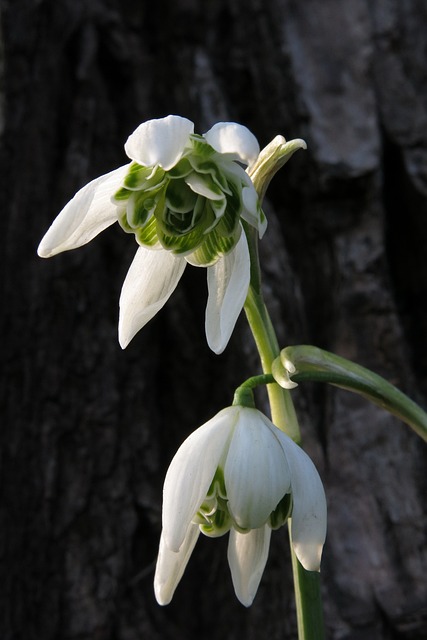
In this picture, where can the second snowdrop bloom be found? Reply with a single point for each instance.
(184, 197)
(239, 473)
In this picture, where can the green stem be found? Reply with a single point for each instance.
(282, 408)
(306, 583)
(256, 381)
(308, 601)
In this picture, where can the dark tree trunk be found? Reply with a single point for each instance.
(88, 430)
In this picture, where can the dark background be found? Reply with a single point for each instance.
(87, 430)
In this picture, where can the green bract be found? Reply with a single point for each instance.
(193, 209)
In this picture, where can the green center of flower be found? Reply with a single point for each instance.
(192, 210)
(215, 519)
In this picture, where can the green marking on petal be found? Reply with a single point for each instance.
(203, 185)
(180, 244)
(123, 221)
(214, 167)
(182, 233)
(217, 487)
(192, 210)
(121, 196)
(218, 525)
(140, 207)
(212, 249)
(228, 223)
(147, 235)
(179, 196)
(200, 147)
(228, 216)
(213, 515)
(137, 175)
(175, 223)
(218, 207)
(279, 516)
(181, 169)
(161, 207)
(143, 178)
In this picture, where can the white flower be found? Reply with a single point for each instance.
(183, 196)
(239, 473)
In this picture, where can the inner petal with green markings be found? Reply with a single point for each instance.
(193, 209)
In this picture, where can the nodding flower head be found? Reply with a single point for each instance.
(184, 197)
(238, 473)
(191, 200)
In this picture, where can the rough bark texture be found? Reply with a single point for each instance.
(88, 430)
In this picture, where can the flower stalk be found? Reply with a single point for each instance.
(306, 583)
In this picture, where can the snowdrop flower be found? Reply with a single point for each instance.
(239, 473)
(183, 196)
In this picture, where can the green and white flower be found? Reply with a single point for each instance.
(239, 473)
(184, 197)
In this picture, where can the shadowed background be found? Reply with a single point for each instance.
(87, 430)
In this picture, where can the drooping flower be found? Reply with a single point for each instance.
(239, 473)
(184, 197)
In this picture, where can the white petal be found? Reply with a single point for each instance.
(309, 512)
(171, 566)
(247, 557)
(87, 214)
(251, 210)
(228, 283)
(160, 141)
(235, 140)
(256, 471)
(151, 279)
(191, 472)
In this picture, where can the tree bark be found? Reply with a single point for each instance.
(89, 430)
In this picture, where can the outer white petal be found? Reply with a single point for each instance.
(256, 471)
(160, 141)
(191, 472)
(247, 557)
(309, 512)
(233, 139)
(171, 566)
(228, 283)
(87, 214)
(151, 279)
